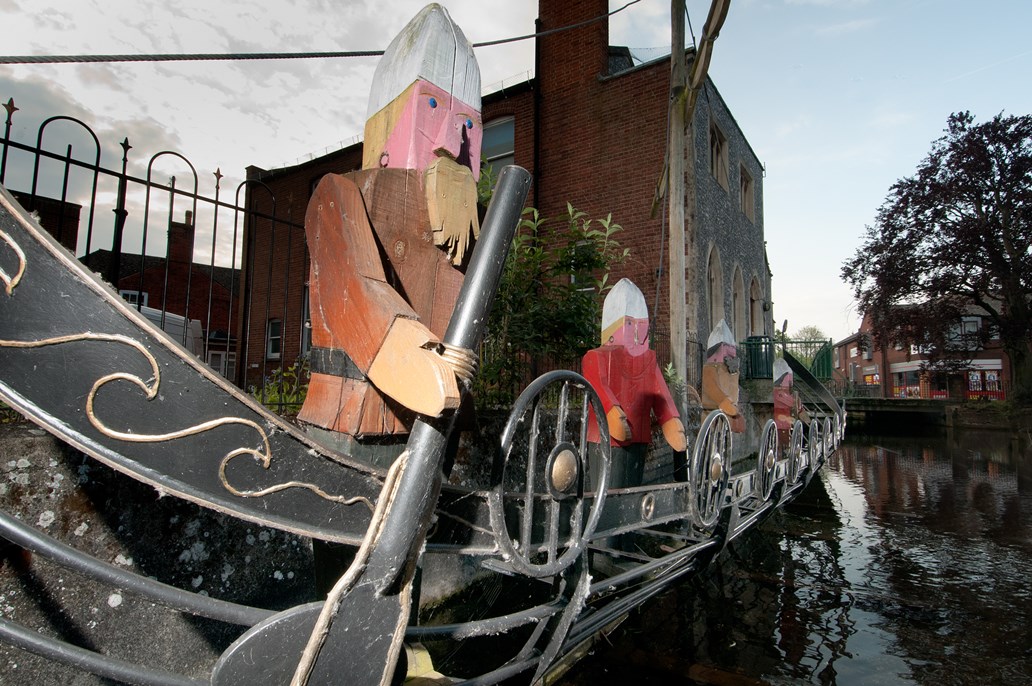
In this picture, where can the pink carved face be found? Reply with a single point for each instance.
(434, 124)
(722, 353)
(633, 334)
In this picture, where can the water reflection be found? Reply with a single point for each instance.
(908, 562)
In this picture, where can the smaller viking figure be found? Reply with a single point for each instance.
(784, 400)
(388, 242)
(627, 378)
(787, 406)
(720, 376)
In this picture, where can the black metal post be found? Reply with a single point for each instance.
(393, 561)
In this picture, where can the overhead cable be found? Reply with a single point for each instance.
(195, 57)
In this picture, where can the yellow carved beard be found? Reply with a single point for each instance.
(451, 199)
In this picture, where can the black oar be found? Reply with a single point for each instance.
(355, 636)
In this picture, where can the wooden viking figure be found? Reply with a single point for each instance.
(787, 406)
(388, 242)
(784, 399)
(720, 376)
(627, 378)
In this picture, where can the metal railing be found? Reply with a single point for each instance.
(757, 354)
(166, 240)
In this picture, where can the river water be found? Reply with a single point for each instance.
(908, 561)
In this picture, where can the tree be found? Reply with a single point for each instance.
(808, 344)
(810, 332)
(956, 239)
(549, 302)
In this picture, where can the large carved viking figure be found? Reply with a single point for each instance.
(627, 378)
(387, 243)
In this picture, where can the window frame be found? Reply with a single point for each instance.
(132, 296)
(278, 338)
(747, 189)
(718, 152)
(498, 122)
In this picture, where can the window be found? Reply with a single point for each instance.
(718, 155)
(741, 321)
(223, 362)
(965, 334)
(582, 257)
(755, 308)
(273, 339)
(748, 201)
(499, 144)
(134, 297)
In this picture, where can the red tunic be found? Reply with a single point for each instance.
(632, 382)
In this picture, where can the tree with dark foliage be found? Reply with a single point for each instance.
(955, 240)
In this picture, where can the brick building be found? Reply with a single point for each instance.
(976, 370)
(591, 128)
(182, 289)
(59, 218)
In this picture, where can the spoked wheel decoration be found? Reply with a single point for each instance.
(767, 461)
(795, 452)
(710, 468)
(829, 437)
(815, 443)
(539, 509)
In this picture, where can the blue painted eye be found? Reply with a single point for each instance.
(469, 123)
(433, 103)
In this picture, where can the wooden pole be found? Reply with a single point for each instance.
(676, 195)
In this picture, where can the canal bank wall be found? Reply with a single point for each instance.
(46, 484)
(930, 417)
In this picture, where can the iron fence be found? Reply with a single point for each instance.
(504, 373)
(757, 354)
(146, 226)
(227, 279)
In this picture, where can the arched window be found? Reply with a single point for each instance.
(755, 308)
(738, 306)
(715, 290)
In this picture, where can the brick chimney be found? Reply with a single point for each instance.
(576, 58)
(181, 240)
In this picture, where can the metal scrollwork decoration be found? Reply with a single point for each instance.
(10, 281)
(710, 469)
(539, 504)
(150, 388)
(767, 461)
(815, 443)
(829, 437)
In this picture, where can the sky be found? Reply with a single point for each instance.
(838, 98)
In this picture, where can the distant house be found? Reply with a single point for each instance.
(61, 219)
(181, 289)
(591, 127)
(975, 367)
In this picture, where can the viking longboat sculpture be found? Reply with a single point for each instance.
(137, 401)
(538, 519)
